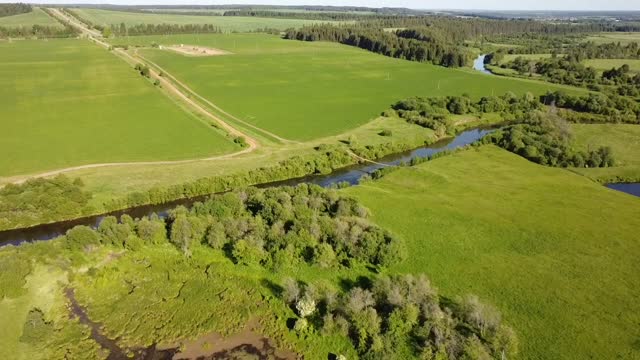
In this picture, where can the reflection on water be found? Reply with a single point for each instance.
(478, 64)
(350, 174)
(629, 188)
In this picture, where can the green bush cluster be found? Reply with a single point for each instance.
(274, 227)
(544, 138)
(609, 108)
(42, 200)
(401, 317)
(570, 71)
(435, 112)
(14, 268)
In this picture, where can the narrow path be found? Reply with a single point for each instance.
(214, 106)
(253, 144)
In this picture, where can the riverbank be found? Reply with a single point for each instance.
(349, 174)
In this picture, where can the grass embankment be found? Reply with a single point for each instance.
(307, 90)
(556, 252)
(35, 17)
(225, 23)
(624, 139)
(608, 64)
(80, 104)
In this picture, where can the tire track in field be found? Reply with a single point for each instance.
(217, 108)
(253, 144)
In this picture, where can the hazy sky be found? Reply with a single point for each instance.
(417, 4)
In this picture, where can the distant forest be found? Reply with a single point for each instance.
(14, 9)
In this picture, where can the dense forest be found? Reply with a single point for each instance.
(277, 8)
(415, 46)
(477, 28)
(14, 9)
(403, 317)
(307, 15)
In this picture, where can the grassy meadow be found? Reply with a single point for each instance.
(608, 64)
(69, 102)
(554, 251)
(621, 37)
(306, 90)
(511, 57)
(226, 23)
(624, 139)
(36, 17)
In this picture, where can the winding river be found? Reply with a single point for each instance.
(350, 174)
(478, 64)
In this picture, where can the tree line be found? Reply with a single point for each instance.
(569, 71)
(397, 45)
(401, 317)
(478, 28)
(38, 31)
(14, 9)
(278, 228)
(163, 29)
(307, 15)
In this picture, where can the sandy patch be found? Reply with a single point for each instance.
(192, 50)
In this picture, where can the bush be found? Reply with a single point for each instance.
(80, 237)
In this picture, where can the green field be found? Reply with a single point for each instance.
(608, 64)
(621, 37)
(36, 17)
(69, 102)
(511, 57)
(624, 139)
(306, 90)
(226, 23)
(555, 252)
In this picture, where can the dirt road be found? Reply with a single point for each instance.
(168, 86)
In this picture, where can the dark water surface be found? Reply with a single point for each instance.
(629, 188)
(350, 174)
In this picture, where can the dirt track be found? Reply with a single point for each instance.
(209, 103)
(167, 85)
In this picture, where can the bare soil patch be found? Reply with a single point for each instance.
(247, 344)
(192, 50)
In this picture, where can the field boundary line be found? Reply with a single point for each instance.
(214, 106)
(253, 144)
